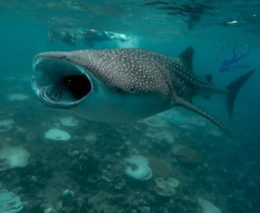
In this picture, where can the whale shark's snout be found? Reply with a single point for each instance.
(59, 83)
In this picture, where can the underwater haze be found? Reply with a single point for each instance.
(57, 161)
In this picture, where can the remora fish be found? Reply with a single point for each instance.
(121, 85)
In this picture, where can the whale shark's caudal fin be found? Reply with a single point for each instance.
(233, 89)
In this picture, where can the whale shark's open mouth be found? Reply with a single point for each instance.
(59, 83)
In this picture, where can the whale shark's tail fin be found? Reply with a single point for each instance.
(233, 89)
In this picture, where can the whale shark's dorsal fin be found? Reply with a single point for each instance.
(186, 56)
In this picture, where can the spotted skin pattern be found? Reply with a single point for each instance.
(139, 71)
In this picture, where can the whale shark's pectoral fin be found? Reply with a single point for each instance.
(181, 102)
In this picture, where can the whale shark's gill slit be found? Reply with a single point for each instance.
(68, 88)
(55, 95)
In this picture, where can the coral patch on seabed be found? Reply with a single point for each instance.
(68, 121)
(9, 202)
(53, 162)
(186, 154)
(6, 124)
(207, 206)
(137, 167)
(12, 157)
(57, 135)
(166, 187)
(17, 97)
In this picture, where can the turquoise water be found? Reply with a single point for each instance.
(86, 173)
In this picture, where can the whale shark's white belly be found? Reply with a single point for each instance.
(111, 106)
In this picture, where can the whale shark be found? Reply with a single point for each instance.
(123, 85)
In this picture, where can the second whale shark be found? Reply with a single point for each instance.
(122, 85)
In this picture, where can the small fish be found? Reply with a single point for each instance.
(122, 85)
